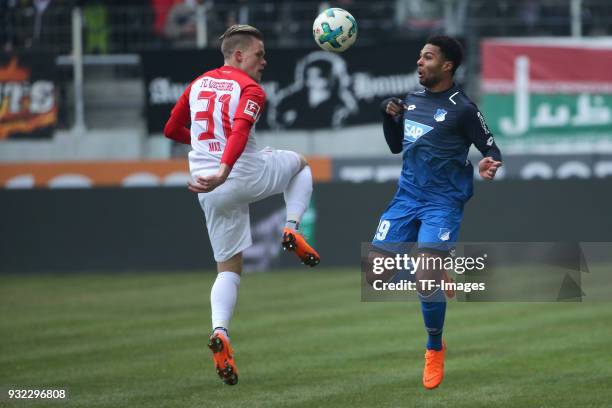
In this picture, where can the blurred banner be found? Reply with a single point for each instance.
(171, 173)
(522, 166)
(28, 97)
(544, 95)
(306, 89)
(151, 173)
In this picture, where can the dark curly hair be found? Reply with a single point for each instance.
(451, 49)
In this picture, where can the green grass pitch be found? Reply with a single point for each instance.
(302, 339)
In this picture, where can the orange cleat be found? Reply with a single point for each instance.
(223, 357)
(433, 373)
(294, 241)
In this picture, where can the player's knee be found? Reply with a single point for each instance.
(372, 274)
(303, 162)
(370, 278)
(367, 267)
(429, 274)
(233, 264)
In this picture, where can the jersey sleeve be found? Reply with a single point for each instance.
(251, 103)
(236, 142)
(476, 131)
(392, 127)
(176, 126)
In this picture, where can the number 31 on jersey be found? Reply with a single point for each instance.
(209, 100)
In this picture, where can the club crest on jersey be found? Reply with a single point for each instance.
(252, 108)
(413, 130)
(440, 115)
(444, 234)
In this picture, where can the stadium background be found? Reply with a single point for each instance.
(89, 184)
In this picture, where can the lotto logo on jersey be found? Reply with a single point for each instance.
(252, 108)
(414, 130)
(485, 128)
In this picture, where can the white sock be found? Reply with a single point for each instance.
(297, 196)
(223, 297)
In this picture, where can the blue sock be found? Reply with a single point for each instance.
(434, 310)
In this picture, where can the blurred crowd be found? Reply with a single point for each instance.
(112, 26)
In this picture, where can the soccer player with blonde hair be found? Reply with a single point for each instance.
(216, 115)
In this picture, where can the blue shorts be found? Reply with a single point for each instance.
(406, 220)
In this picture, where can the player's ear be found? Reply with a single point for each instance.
(447, 66)
(238, 55)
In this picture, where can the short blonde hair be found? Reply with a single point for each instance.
(238, 36)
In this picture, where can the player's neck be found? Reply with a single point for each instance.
(442, 86)
(231, 64)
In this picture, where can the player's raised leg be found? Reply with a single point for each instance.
(297, 197)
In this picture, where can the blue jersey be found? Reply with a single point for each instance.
(434, 135)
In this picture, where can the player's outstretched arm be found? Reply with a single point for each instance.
(477, 131)
(392, 109)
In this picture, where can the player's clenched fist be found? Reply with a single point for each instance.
(488, 167)
(203, 184)
(206, 184)
(395, 107)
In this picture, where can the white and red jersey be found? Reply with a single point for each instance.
(212, 103)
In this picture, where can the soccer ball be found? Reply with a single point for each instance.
(335, 30)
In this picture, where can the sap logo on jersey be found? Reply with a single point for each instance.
(414, 130)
